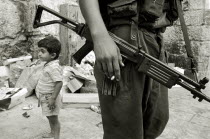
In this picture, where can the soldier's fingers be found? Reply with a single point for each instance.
(99, 65)
(110, 69)
(52, 107)
(116, 67)
(105, 69)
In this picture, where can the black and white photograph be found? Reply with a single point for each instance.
(104, 69)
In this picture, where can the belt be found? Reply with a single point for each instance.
(128, 21)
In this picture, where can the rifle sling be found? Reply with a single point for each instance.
(184, 31)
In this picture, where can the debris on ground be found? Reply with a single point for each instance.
(75, 80)
(99, 124)
(96, 109)
(10, 97)
(26, 115)
(28, 107)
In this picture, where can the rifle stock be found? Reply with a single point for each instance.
(86, 48)
(147, 64)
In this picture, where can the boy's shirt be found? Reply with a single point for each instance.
(52, 72)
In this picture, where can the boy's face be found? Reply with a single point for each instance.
(44, 55)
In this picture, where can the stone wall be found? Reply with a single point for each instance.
(197, 15)
(17, 36)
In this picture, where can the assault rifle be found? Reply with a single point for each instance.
(147, 64)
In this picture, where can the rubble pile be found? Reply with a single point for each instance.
(87, 64)
(76, 82)
(23, 74)
(10, 95)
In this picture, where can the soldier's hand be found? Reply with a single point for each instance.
(108, 57)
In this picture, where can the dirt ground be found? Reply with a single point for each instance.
(189, 119)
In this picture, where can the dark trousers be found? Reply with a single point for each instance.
(140, 108)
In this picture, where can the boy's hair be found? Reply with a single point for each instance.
(52, 45)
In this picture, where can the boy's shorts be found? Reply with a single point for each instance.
(43, 98)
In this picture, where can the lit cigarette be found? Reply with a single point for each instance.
(113, 77)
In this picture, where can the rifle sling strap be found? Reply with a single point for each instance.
(184, 30)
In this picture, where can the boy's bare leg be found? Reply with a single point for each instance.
(55, 126)
(51, 134)
(52, 130)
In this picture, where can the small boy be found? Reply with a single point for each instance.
(50, 83)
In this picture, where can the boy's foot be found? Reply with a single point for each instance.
(48, 135)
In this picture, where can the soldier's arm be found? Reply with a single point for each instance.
(108, 57)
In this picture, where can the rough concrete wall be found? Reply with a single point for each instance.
(197, 20)
(17, 36)
(12, 28)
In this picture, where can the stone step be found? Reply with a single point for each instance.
(80, 100)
